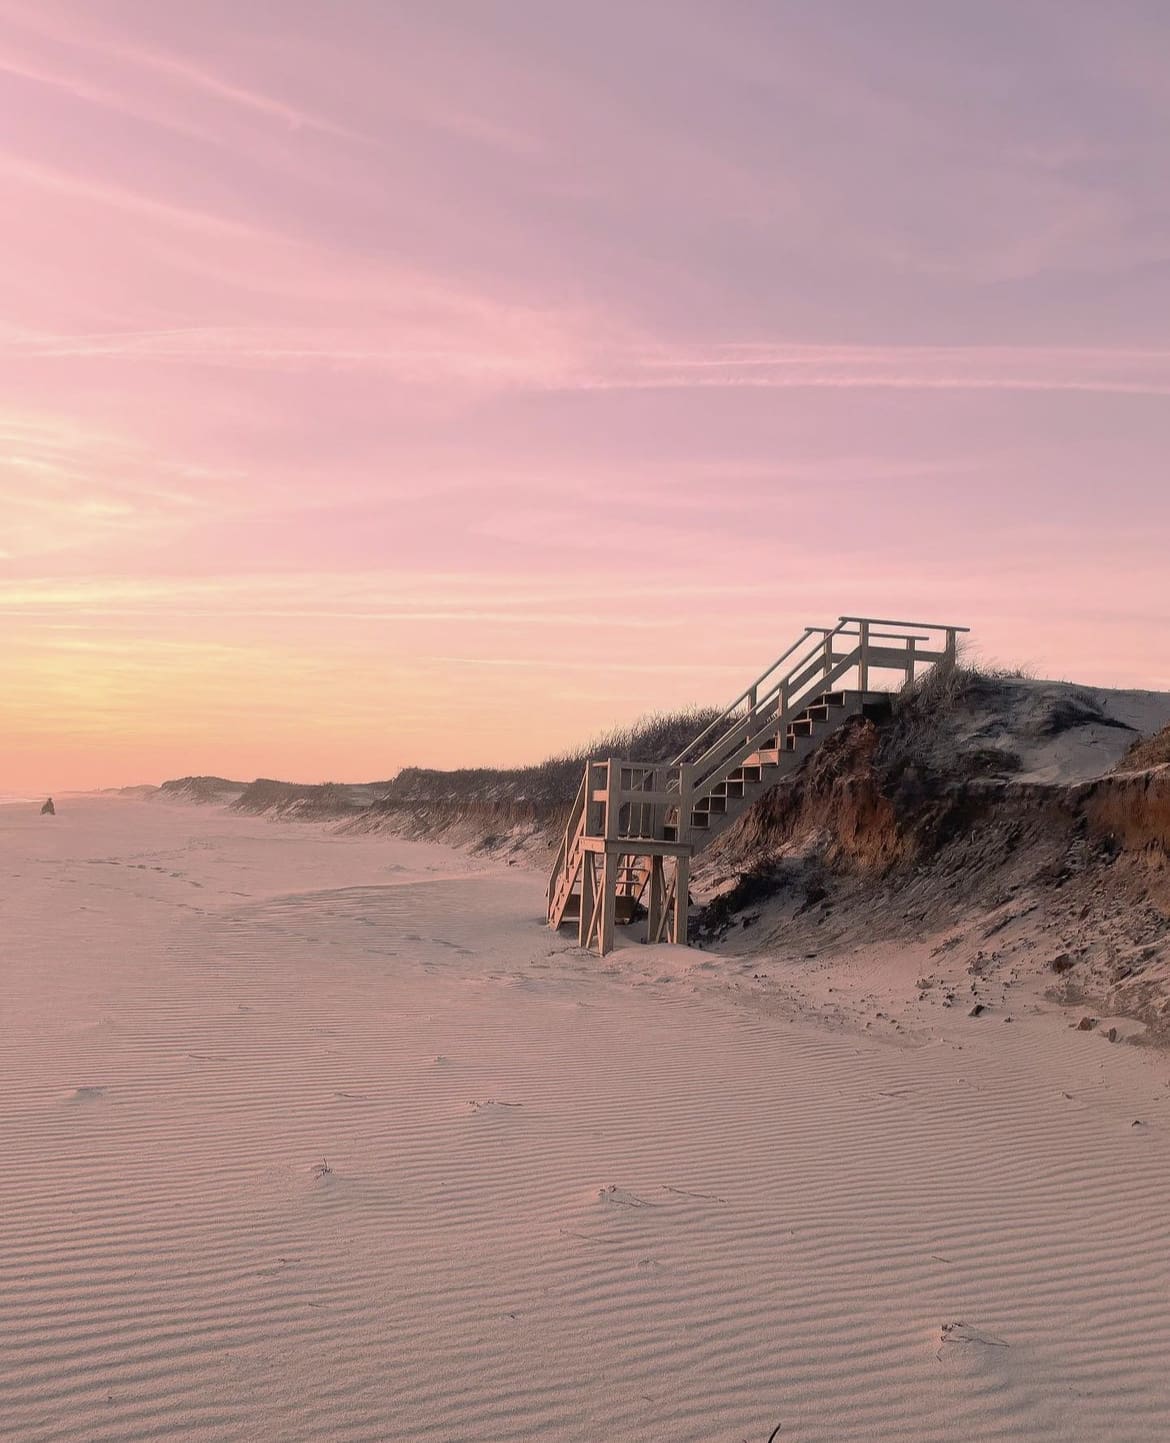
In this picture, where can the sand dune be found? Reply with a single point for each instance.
(311, 1137)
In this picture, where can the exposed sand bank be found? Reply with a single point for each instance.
(658, 1199)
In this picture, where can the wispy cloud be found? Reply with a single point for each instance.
(444, 340)
(774, 366)
(78, 35)
(79, 87)
(66, 485)
(96, 192)
(503, 347)
(463, 595)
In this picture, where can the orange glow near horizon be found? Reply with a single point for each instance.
(497, 382)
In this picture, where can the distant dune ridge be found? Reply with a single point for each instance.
(201, 789)
(538, 793)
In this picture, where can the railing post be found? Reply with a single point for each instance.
(863, 661)
(951, 650)
(685, 787)
(613, 791)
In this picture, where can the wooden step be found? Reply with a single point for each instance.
(624, 912)
(810, 721)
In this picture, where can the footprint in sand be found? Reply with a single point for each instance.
(87, 1094)
(622, 1197)
(952, 1337)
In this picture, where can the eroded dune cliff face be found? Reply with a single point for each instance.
(858, 810)
(1133, 810)
(914, 828)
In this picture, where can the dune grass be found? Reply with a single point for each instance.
(1147, 752)
(658, 736)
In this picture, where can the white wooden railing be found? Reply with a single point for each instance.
(847, 656)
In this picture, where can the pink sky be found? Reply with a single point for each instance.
(387, 383)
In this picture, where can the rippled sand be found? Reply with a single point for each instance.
(308, 1137)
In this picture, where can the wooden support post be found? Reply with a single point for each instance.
(682, 897)
(608, 903)
(588, 891)
(656, 902)
(667, 911)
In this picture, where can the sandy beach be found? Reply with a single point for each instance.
(309, 1136)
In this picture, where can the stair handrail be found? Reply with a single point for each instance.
(809, 688)
(749, 695)
(572, 828)
(820, 650)
(815, 672)
(906, 625)
(811, 662)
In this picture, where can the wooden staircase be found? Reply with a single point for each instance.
(772, 759)
(634, 827)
